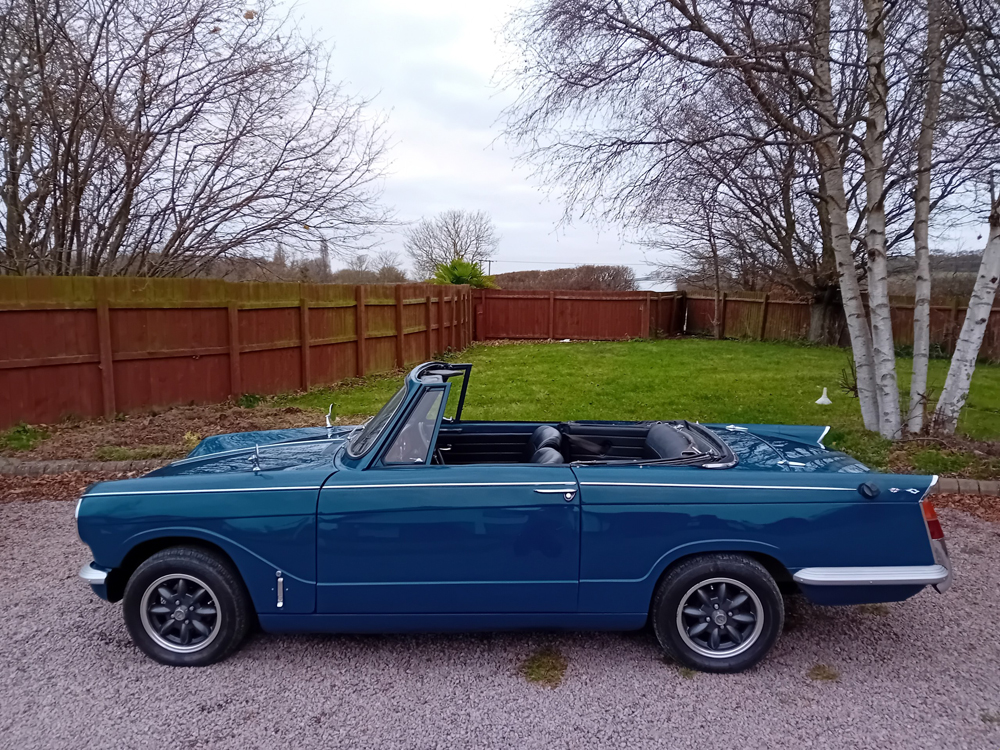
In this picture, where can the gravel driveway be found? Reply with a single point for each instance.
(921, 674)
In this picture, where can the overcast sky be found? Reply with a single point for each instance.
(431, 66)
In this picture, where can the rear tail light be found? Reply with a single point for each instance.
(931, 519)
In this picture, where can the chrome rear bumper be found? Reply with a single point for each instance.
(904, 575)
(940, 550)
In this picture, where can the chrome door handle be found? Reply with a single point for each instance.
(568, 494)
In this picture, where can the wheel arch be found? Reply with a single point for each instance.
(777, 569)
(118, 578)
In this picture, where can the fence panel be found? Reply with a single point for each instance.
(97, 346)
(700, 316)
(581, 315)
(786, 321)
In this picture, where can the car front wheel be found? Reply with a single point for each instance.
(186, 607)
(718, 613)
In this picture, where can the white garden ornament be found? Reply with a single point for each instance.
(824, 400)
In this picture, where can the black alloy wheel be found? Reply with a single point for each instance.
(187, 607)
(718, 612)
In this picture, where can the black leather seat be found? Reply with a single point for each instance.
(544, 436)
(547, 456)
(664, 441)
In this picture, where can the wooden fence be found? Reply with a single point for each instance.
(96, 347)
(590, 316)
(99, 346)
(757, 316)
(602, 316)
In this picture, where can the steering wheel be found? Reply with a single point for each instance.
(412, 438)
(426, 430)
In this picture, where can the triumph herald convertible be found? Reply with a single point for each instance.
(421, 521)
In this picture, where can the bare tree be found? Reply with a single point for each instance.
(153, 140)
(933, 66)
(586, 277)
(767, 231)
(451, 235)
(877, 90)
(976, 95)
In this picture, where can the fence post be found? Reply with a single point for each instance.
(428, 347)
(484, 331)
(722, 313)
(107, 364)
(361, 329)
(453, 316)
(763, 318)
(439, 336)
(645, 318)
(680, 313)
(235, 374)
(400, 344)
(552, 315)
(464, 308)
(304, 336)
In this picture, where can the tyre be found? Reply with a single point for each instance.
(718, 613)
(186, 607)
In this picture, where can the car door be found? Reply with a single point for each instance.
(501, 538)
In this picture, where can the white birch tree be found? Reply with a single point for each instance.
(883, 350)
(977, 99)
(934, 65)
(963, 362)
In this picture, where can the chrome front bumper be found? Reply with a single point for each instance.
(92, 575)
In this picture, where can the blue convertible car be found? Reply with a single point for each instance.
(420, 521)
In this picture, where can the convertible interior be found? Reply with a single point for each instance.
(566, 442)
(458, 442)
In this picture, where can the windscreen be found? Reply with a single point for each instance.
(367, 437)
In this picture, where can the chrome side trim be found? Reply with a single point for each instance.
(718, 486)
(200, 491)
(334, 487)
(92, 575)
(901, 575)
(447, 484)
(820, 441)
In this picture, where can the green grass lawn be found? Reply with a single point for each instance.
(696, 379)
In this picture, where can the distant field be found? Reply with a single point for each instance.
(696, 379)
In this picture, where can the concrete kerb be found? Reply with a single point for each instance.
(39, 468)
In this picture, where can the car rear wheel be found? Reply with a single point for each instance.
(718, 613)
(186, 607)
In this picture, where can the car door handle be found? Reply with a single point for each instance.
(568, 494)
